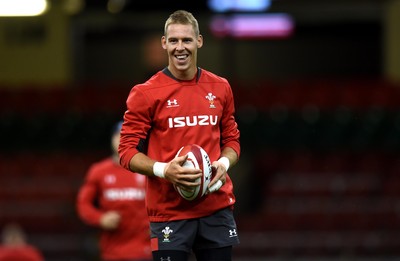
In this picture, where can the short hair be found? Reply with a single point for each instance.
(182, 17)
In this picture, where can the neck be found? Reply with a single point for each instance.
(185, 75)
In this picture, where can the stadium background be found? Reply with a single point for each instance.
(318, 110)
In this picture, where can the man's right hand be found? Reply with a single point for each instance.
(183, 177)
(110, 220)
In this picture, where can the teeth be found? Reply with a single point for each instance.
(181, 56)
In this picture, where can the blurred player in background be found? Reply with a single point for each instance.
(180, 105)
(15, 246)
(113, 199)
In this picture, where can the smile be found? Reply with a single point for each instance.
(182, 56)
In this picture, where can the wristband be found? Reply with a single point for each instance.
(159, 168)
(225, 161)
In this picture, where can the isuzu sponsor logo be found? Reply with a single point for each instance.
(124, 194)
(199, 120)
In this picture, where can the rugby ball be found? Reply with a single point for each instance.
(197, 159)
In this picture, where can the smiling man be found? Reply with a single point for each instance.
(180, 105)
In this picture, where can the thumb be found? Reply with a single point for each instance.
(181, 159)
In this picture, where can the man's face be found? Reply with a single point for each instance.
(181, 44)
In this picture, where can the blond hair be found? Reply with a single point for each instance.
(182, 17)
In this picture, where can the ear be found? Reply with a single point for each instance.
(164, 42)
(199, 41)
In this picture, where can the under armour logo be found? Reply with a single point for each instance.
(172, 103)
(232, 233)
(165, 258)
(109, 179)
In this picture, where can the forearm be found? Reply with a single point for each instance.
(142, 164)
(231, 155)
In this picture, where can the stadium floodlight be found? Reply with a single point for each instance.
(221, 6)
(249, 26)
(23, 7)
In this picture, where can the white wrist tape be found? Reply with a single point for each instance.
(215, 187)
(225, 161)
(159, 168)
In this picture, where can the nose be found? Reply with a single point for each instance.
(180, 46)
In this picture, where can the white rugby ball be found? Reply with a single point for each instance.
(197, 159)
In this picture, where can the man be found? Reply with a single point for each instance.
(15, 245)
(180, 105)
(112, 199)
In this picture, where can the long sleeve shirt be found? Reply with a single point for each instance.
(107, 187)
(164, 114)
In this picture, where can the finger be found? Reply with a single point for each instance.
(181, 159)
(191, 172)
(215, 187)
(188, 184)
(190, 177)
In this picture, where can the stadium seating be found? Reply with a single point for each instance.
(325, 164)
